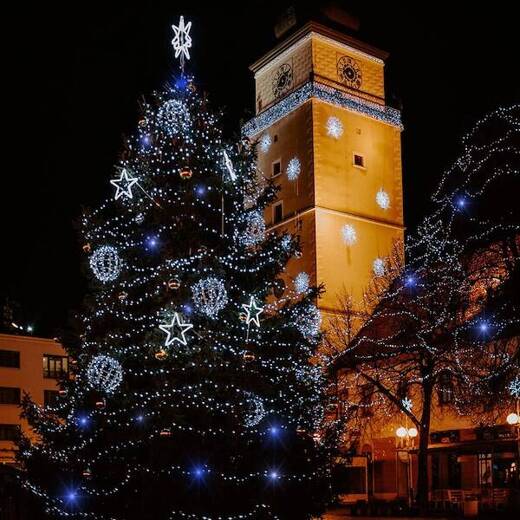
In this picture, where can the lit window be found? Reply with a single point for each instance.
(358, 160)
(55, 367)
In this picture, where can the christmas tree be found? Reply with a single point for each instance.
(192, 394)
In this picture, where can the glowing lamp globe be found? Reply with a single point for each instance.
(513, 418)
(401, 432)
(412, 432)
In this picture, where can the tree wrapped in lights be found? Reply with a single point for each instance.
(443, 327)
(192, 394)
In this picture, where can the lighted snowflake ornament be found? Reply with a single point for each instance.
(173, 117)
(294, 169)
(169, 329)
(334, 127)
(349, 234)
(106, 264)
(104, 373)
(265, 143)
(383, 199)
(407, 404)
(182, 40)
(301, 283)
(379, 267)
(514, 387)
(124, 184)
(210, 296)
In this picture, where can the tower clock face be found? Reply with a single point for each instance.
(282, 80)
(349, 72)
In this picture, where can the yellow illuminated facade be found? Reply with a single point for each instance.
(334, 147)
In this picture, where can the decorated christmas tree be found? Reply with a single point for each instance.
(195, 391)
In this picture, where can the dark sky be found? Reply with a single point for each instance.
(75, 72)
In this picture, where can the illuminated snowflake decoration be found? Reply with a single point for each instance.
(254, 232)
(182, 40)
(514, 387)
(293, 169)
(265, 143)
(349, 234)
(286, 242)
(407, 404)
(255, 410)
(334, 127)
(379, 267)
(383, 199)
(173, 117)
(301, 283)
(210, 296)
(104, 373)
(308, 321)
(106, 264)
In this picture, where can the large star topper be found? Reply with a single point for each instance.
(253, 312)
(124, 184)
(182, 40)
(169, 329)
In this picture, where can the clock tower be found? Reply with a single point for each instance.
(332, 144)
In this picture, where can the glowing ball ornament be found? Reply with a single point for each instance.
(513, 419)
(255, 410)
(104, 373)
(210, 296)
(383, 199)
(294, 169)
(254, 232)
(106, 264)
(349, 234)
(307, 321)
(173, 117)
(334, 127)
(301, 283)
(379, 267)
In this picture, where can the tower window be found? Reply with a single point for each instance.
(276, 168)
(358, 160)
(275, 138)
(278, 212)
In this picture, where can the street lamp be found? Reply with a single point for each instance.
(513, 418)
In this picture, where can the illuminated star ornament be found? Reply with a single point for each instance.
(229, 166)
(124, 184)
(182, 40)
(169, 329)
(253, 312)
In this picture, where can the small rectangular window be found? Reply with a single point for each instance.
(275, 138)
(50, 397)
(9, 395)
(276, 168)
(358, 160)
(278, 212)
(445, 388)
(9, 432)
(55, 367)
(10, 358)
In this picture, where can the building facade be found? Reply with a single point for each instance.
(27, 365)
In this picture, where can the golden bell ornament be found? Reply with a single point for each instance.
(248, 356)
(186, 173)
(87, 247)
(161, 355)
(174, 284)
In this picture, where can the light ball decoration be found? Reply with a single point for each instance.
(255, 410)
(254, 232)
(513, 419)
(307, 321)
(210, 296)
(379, 267)
(106, 264)
(104, 373)
(383, 199)
(265, 142)
(334, 127)
(294, 169)
(349, 234)
(173, 117)
(301, 282)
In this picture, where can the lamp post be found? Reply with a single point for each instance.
(406, 442)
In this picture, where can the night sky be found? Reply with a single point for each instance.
(75, 73)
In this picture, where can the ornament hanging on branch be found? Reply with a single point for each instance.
(124, 184)
(169, 329)
(307, 321)
(104, 373)
(253, 312)
(254, 232)
(255, 410)
(210, 296)
(186, 173)
(301, 283)
(173, 117)
(106, 263)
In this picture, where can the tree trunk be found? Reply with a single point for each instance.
(422, 455)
